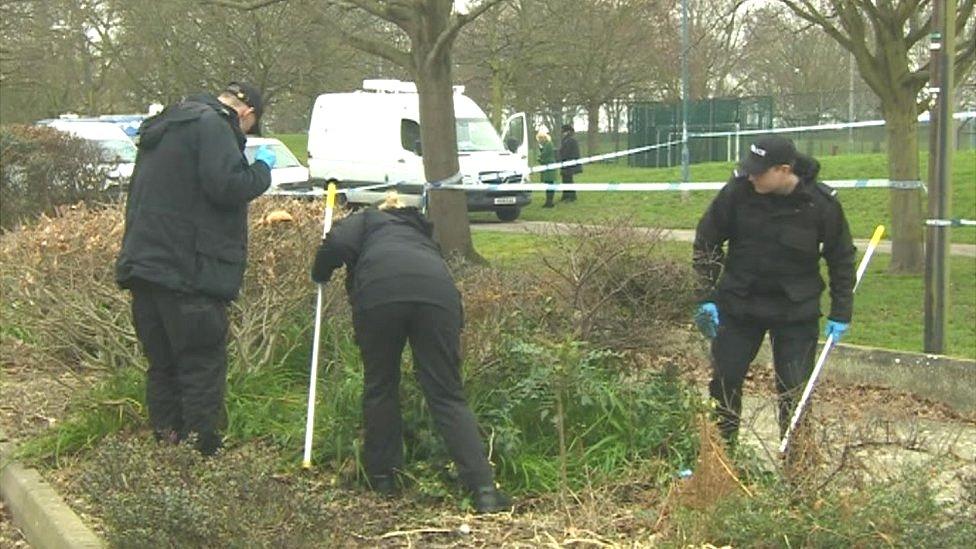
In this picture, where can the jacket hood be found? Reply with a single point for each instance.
(412, 217)
(807, 167)
(189, 109)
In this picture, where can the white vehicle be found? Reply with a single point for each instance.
(372, 136)
(118, 153)
(288, 176)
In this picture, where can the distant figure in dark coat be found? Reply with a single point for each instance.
(569, 150)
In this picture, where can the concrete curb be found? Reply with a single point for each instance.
(41, 514)
(965, 366)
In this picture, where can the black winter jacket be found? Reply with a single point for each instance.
(186, 214)
(390, 257)
(569, 150)
(775, 243)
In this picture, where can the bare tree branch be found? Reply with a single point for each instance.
(447, 37)
(375, 47)
(243, 6)
(808, 12)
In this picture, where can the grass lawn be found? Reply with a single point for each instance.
(888, 310)
(865, 208)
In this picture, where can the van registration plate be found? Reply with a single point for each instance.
(505, 200)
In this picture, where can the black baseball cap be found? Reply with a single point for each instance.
(767, 152)
(250, 96)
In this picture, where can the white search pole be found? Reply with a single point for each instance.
(828, 345)
(310, 419)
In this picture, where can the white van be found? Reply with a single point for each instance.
(116, 151)
(372, 136)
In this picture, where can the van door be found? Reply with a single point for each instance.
(516, 136)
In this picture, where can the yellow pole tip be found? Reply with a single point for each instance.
(306, 464)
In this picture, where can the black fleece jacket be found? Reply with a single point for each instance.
(775, 243)
(390, 257)
(186, 213)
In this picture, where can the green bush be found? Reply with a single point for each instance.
(42, 169)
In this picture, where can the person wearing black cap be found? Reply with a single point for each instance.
(401, 290)
(184, 251)
(778, 221)
(569, 150)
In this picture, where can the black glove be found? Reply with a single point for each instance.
(325, 264)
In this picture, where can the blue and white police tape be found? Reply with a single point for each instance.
(955, 222)
(575, 162)
(666, 186)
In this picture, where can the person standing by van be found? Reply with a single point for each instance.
(401, 290)
(547, 155)
(184, 251)
(569, 150)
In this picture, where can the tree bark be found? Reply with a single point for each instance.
(592, 128)
(901, 127)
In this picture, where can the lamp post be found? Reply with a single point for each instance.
(685, 157)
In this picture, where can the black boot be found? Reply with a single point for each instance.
(549, 196)
(489, 499)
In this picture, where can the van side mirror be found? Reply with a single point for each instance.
(512, 144)
(416, 148)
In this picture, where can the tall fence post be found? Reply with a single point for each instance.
(942, 47)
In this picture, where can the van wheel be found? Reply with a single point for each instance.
(508, 214)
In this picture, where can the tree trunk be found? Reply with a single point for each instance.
(497, 98)
(447, 209)
(592, 128)
(901, 126)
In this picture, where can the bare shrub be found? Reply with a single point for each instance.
(59, 293)
(42, 169)
(613, 286)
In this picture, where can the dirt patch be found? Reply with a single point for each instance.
(10, 536)
(35, 396)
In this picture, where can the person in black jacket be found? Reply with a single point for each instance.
(184, 251)
(401, 290)
(778, 221)
(569, 150)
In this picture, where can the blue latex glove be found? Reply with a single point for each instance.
(836, 329)
(706, 318)
(266, 155)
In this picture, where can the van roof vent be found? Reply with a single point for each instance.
(395, 86)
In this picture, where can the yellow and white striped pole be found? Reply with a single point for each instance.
(310, 419)
(872, 245)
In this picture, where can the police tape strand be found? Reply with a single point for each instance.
(955, 222)
(669, 186)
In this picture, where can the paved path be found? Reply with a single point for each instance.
(680, 235)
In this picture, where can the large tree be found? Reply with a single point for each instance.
(424, 35)
(883, 36)
(811, 78)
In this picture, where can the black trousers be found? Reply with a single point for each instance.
(434, 335)
(568, 195)
(733, 350)
(184, 336)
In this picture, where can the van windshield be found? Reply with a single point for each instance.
(117, 150)
(283, 155)
(477, 134)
